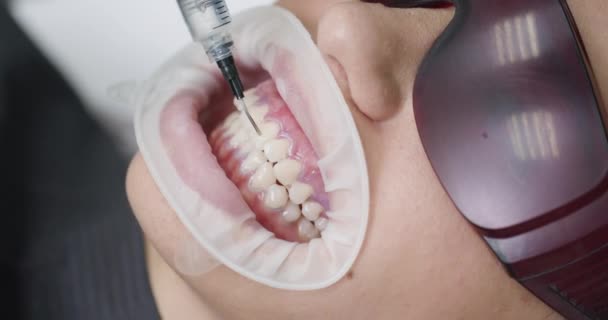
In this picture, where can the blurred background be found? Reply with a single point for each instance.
(98, 43)
(70, 248)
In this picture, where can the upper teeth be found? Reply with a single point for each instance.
(275, 197)
(253, 161)
(238, 139)
(273, 172)
(299, 192)
(231, 119)
(276, 150)
(258, 113)
(270, 130)
(262, 179)
(287, 171)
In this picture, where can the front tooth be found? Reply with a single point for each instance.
(306, 230)
(270, 130)
(275, 197)
(253, 161)
(299, 192)
(292, 213)
(262, 179)
(276, 150)
(321, 223)
(311, 210)
(287, 171)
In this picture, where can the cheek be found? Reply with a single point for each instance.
(416, 237)
(153, 213)
(309, 12)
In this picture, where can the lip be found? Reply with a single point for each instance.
(187, 141)
(188, 91)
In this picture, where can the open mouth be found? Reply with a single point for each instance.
(288, 208)
(276, 172)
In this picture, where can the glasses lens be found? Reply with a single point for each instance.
(507, 115)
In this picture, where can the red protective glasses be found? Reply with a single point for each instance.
(507, 112)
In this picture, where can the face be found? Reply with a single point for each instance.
(420, 259)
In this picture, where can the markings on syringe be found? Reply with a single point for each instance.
(203, 5)
(221, 25)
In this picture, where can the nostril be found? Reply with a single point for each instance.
(365, 57)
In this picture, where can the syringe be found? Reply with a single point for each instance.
(209, 21)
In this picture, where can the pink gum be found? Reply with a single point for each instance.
(301, 150)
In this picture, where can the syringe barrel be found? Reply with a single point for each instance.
(209, 23)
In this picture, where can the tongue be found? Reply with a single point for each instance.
(275, 172)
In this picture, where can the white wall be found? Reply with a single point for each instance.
(97, 43)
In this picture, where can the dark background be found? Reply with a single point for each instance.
(69, 246)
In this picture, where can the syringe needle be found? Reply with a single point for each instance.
(208, 22)
(243, 108)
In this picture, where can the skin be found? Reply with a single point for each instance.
(421, 259)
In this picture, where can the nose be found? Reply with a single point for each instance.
(378, 50)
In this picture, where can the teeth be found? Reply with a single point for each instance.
(270, 130)
(230, 119)
(275, 197)
(306, 230)
(287, 171)
(262, 179)
(247, 127)
(239, 138)
(247, 147)
(321, 223)
(253, 161)
(258, 113)
(311, 210)
(235, 126)
(250, 99)
(292, 212)
(276, 150)
(299, 192)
